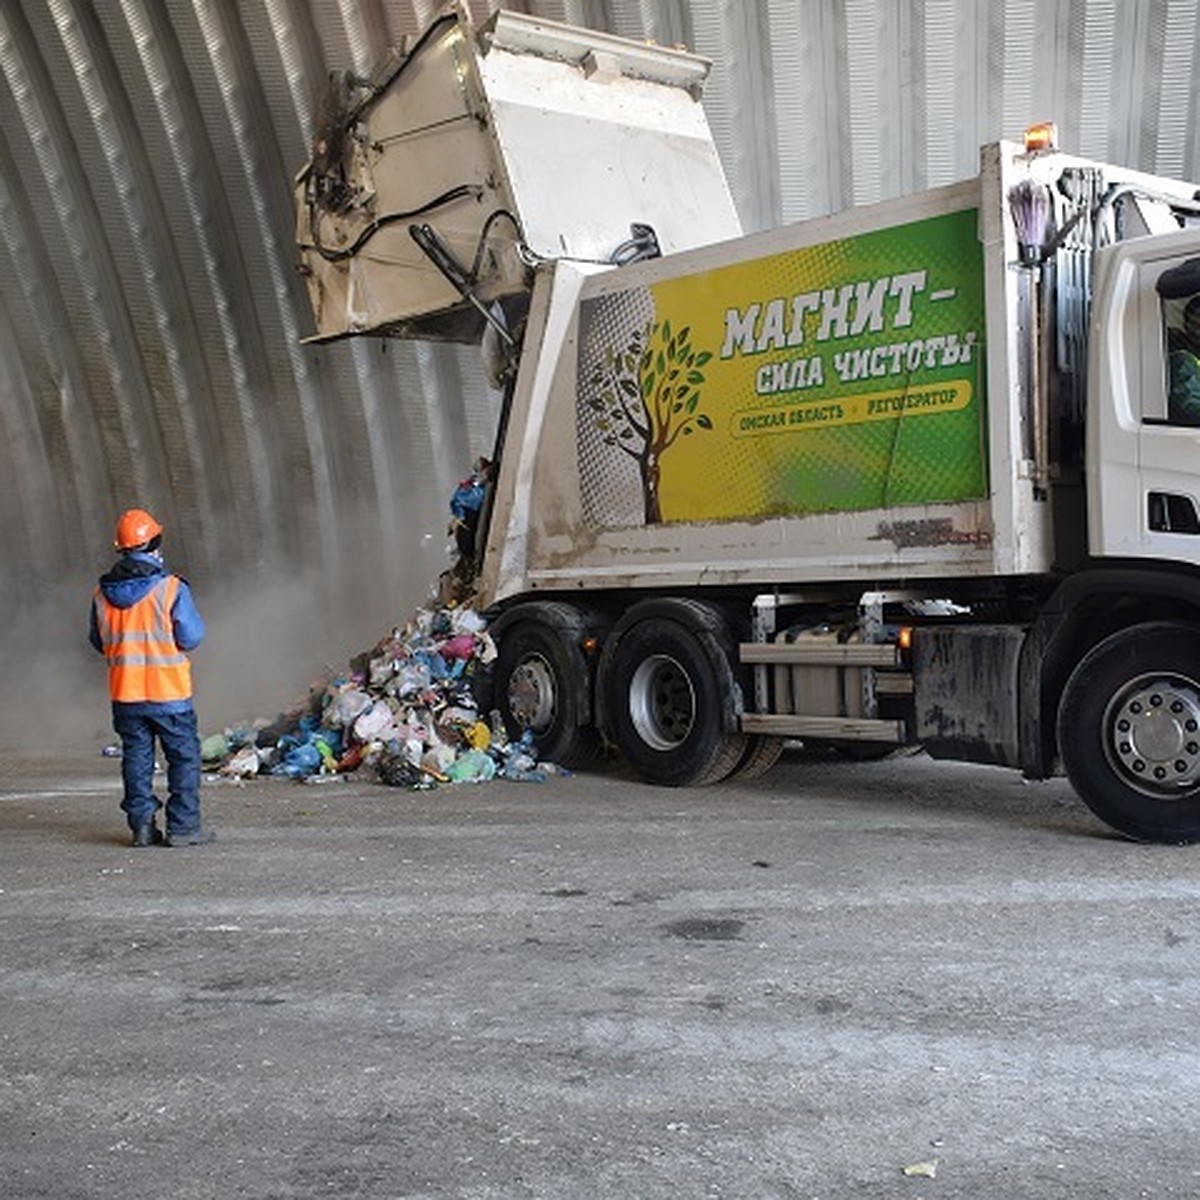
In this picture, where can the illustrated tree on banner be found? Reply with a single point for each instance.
(647, 396)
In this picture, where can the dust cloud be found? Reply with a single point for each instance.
(270, 636)
(54, 697)
(267, 645)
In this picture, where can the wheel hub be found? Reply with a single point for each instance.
(662, 702)
(531, 693)
(1154, 735)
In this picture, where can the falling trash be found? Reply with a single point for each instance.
(406, 711)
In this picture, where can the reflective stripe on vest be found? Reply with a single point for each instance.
(139, 643)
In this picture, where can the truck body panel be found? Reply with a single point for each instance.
(857, 398)
(522, 141)
(788, 486)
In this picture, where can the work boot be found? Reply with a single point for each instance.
(147, 835)
(194, 837)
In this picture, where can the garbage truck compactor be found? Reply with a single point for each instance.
(925, 472)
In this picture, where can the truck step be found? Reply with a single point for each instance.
(858, 729)
(812, 654)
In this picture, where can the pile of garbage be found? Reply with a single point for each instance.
(405, 710)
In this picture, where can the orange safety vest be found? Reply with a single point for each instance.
(139, 643)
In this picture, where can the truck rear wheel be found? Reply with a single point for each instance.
(1129, 732)
(666, 704)
(762, 752)
(538, 688)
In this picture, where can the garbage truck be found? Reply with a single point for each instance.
(919, 473)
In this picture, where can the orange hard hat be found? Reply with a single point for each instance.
(135, 528)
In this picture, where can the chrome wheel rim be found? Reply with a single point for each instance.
(662, 702)
(1152, 736)
(531, 697)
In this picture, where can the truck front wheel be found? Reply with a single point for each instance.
(667, 705)
(1129, 732)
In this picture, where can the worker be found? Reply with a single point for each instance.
(144, 620)
(1183, 397)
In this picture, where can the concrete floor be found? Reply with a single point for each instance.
(791, 987)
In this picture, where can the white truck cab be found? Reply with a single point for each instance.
(1144, 436)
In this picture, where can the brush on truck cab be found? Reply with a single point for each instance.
(921, 472)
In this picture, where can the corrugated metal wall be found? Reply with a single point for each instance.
(151, 317)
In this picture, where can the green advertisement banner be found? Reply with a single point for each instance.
(831, 378)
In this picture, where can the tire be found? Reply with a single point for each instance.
(1129, 732)
(666, 704)
(537, 687)
(761, 754)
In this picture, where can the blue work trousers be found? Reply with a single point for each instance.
(176, 732)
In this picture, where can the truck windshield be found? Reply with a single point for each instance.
(1181, 320)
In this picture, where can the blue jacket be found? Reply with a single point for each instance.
(128, 581)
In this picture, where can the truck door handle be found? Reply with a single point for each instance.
(1169, 512)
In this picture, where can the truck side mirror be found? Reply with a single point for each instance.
(1179, 281)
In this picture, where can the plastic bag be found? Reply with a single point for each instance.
(214, 748)
(475, 766)
(243, 763)
(395, 770)
(345, 706)
(374, 723)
